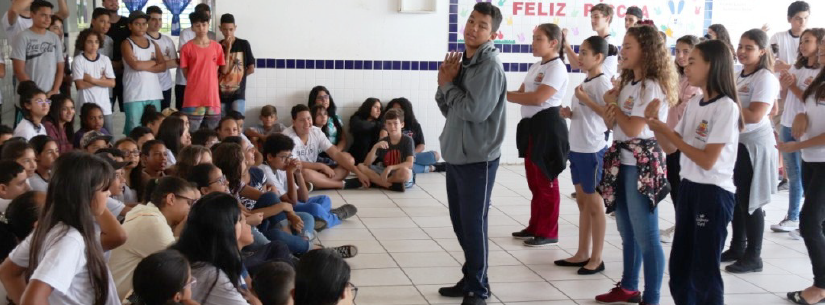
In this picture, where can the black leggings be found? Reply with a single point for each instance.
(748, 228)
(673, 169)
(812, 216)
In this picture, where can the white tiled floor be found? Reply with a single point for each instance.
(408, 250)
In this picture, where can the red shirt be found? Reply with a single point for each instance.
(202, 79)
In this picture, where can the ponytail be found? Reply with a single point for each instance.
(553, 32)
(600, 45)
(27, 90)
(150, 114)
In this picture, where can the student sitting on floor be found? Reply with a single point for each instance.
(395, 153)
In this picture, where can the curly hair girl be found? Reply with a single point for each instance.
(657, 64)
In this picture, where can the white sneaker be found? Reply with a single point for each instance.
(785, 225)
(666, 235)
(795, 235)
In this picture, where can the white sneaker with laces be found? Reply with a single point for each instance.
(666, 235)
(786, 225)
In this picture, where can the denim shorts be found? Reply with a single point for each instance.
(586, 169)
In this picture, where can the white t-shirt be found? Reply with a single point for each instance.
(147, 232)
(37, 183)
(27, 130)
(816, 127)
(223, 292)
(167, 48)
(633, 100)
(712, 122)
(793, 104)
(275, 177)
(761, 86)
(185, 36)
(552, 73)
(141, 86)
(586, 126)
(115, 206)
(19, 25)
(610, 66)
(63, 266)
(317, 143)
(101, 66)
(788, 46)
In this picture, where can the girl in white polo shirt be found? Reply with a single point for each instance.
(795, 81)
(587, 148)
(809, 128)
(708, 137)
(542, 134)
(755, 173)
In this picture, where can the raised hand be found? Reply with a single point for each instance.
(652, 109)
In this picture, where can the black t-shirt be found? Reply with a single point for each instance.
(414, 132)
(233, 84)
(119, 32)
(396, 153)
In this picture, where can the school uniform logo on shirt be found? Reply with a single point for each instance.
(702, 131)
(539, 77)
(628, 104)
(744, 89)
(808, 81)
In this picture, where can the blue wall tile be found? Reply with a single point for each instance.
(300, 64)
(414, 66)
(405, 65)
(339, 65)
(349, 65)
(290, 64)
(310, 64)
(359, 64)
(270, 63)
(260, 63)
(367, 65)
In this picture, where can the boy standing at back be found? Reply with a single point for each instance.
(185, 36)
(472, 96)
(785, 44)
(199, 61)
(241, 63)
(167, 50)
(101, 25)
(601, 16)
(38, 53)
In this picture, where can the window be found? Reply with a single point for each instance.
(167, 16)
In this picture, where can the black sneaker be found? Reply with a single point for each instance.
(397, 187)
(745, 265)
(473, 300)
(440, 167)
(732, 255)
(320, 224)
(523, 234)
(346, 251)
(455, 291)
(352, 183)
(344, 211)
(540, 242)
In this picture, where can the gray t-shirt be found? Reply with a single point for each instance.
(41, 54)
(396, 153)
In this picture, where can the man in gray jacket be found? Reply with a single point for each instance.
(471, 95)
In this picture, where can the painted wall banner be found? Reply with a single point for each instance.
(674, 17)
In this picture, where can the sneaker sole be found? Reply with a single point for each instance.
(542, 245)
(522, 238)
(744, 272)
(782, 229)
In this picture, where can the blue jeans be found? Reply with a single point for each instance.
(423, 161)
(319, 206)
(639, 228)
(793, 166)
(237, 105)
(272, 227)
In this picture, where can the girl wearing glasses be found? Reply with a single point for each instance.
(163, 278)
(151, 227)
(35, 106)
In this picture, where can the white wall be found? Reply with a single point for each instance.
(352, 30)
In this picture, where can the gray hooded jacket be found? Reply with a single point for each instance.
(474, 105)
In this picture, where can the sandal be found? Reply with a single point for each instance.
(346, 251)
(797, 298)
